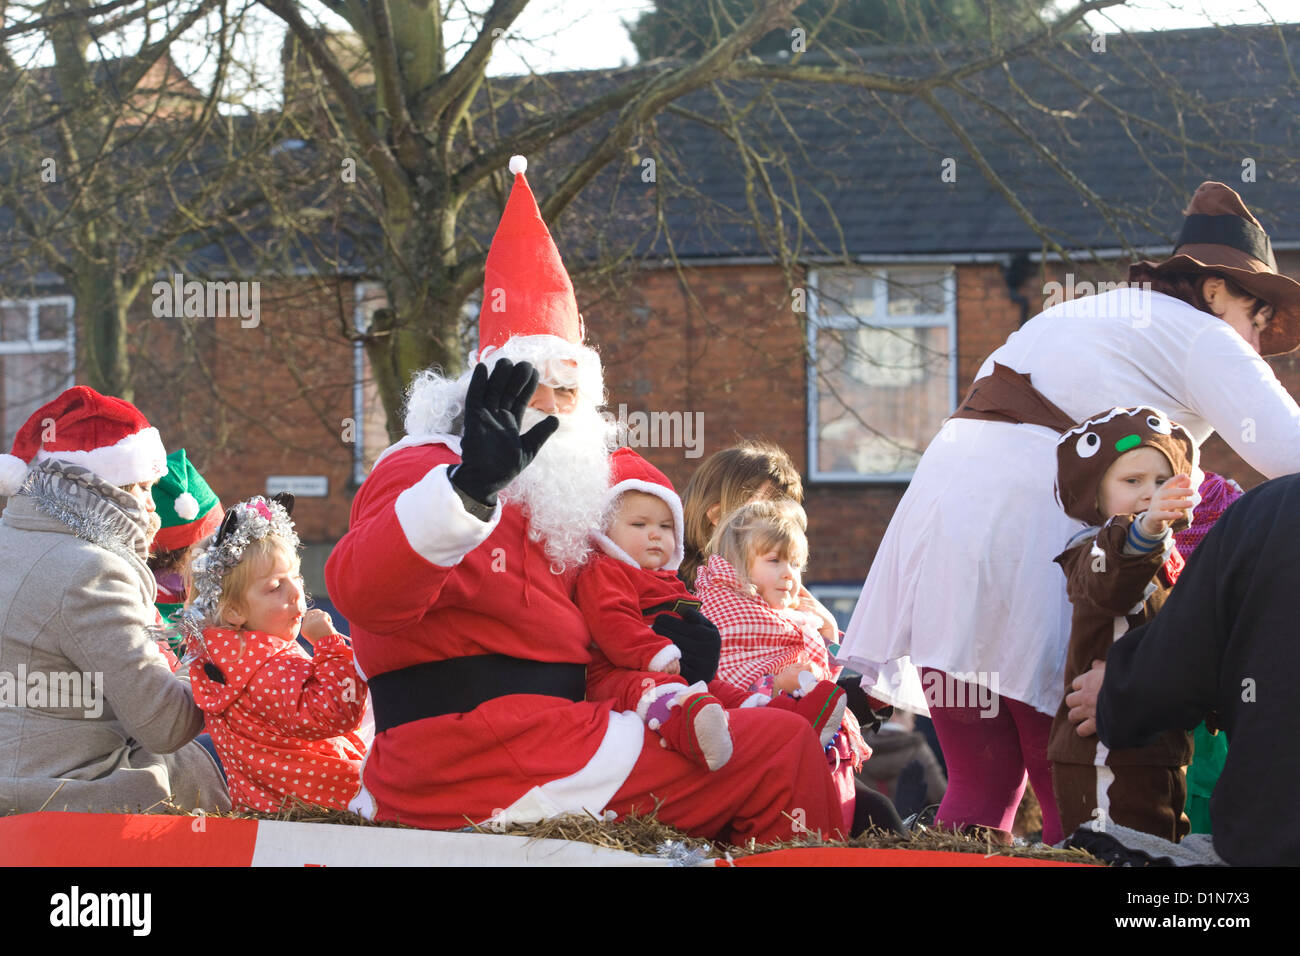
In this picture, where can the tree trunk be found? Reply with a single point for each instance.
(101, 330)
(420, 328)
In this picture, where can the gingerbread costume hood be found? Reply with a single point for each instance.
(1085, 452)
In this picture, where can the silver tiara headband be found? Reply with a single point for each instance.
(245, 523)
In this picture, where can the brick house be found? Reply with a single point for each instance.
(850, 361)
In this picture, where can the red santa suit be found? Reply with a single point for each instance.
(434, 592)
(420, 580)
(282, 721)
(620, 600)
(758, 640)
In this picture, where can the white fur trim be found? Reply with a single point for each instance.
(411, 441)
(13, 472)
(435, 522)
(1133, 410)
(653, 693)
(137, 457)
(363, 804)
(588, 790)
(607, 545)
(186, 506)
(549, 354)
(668, 497)
(665, 657)
(757, 700)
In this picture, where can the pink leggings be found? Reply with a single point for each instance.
(987, 757)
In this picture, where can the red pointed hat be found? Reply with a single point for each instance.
(628, 471)
(526, 289)
(106, 435)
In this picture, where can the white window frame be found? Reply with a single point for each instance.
(881, 319)
(362, 292)
(826, 593)
(37, 346)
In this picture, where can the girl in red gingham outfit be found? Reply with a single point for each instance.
(775, 635)
(627, 589)
(283, 723)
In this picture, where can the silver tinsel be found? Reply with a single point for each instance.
(93, 510)
(210, 566)
(679, 853)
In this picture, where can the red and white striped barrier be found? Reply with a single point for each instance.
(111, 839)
(122, 839)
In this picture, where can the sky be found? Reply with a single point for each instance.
(588, 34)
(554, 35)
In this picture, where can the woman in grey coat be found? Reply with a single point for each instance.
(91, 715)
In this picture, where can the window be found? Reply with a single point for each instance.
(370, 431)
(37, 358)
(882, 369)
(370, 435)
(840, 600)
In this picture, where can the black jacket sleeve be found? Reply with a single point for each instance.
(1164, 675)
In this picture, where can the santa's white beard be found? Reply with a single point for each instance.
(563, 490)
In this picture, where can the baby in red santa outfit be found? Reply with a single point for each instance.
(635, 606)
(283, 723)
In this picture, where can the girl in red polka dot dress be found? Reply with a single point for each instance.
(283, 722)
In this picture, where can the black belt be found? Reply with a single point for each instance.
(458, 685)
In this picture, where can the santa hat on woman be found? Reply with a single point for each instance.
(630, 472)
(105, 435)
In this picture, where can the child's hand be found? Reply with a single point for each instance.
(787, 682)
(316, 624)
(829, 629)
(1169, 503)
(673, 667)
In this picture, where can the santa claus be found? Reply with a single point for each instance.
(457, 576)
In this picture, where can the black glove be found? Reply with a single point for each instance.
(492, 450)
(697, 638)
(860, 704)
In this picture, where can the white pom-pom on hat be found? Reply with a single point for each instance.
(186, 506)
(13, 470)
(518, 164)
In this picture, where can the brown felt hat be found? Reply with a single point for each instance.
(1220, 235)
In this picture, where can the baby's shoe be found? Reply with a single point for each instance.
(696, 727)
(822, 702)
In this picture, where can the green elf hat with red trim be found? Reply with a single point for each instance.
(189, 509)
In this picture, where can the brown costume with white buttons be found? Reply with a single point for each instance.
(1113, 590)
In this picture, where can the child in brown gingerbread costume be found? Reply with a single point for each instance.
(1130, 474)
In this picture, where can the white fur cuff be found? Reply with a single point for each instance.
(435, 522)
(665, 657)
